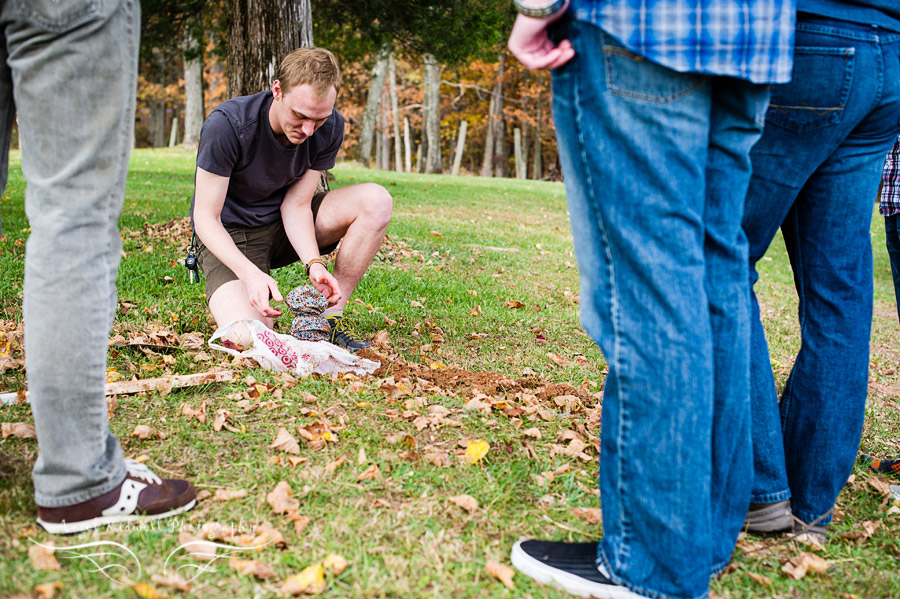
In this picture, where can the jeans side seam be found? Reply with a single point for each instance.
(613, 360)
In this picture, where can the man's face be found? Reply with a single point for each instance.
(300, 111)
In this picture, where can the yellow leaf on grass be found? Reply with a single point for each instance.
(466, 502)
(515, 305)
(47, 590)
(336, 563)
(501, 572)
(285, 441)
(311, 581)
(42, 557)
(475, 311)
(147, 591)
(281, 498)
(476, 450)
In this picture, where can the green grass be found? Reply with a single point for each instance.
(454, 243)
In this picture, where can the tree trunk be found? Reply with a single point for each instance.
(460, 146)
(306, 29)
(495, 118)
(379, 148)
(385, 142)
(406, 146)
(157, 129)
(520, 162)
(419, 162)
(370, 114)
(395, 113)
(501, 153)
(537, 167)
(433, 114)
(194, 101)
(173, 132)
(526, 139)
(260, 34)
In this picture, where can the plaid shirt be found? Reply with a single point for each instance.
(890, 182)
(748, 39)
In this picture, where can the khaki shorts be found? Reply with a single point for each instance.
(267, 247)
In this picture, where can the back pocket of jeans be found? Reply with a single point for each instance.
(818, 90)
(60, 16)
(630, 75)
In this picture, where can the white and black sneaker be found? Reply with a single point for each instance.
(572, 566)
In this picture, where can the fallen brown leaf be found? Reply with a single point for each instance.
(250, 567)
(42, 558)
(23, 430)
(593, 515)
(197, 547)
(285, 441)
(466, 502)
(142, 431)
(228, 495)
(336, 563)
(46, 590)
(760, 579)
(173, 581)
(798, 566)
(370, 473)
(501, 572)
(300, 524)
(281, 498)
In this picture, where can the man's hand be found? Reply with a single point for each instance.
(261, 287)
(530, 43)
(325, 282)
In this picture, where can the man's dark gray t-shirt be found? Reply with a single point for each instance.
(237, 141)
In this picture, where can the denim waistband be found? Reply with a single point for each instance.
(846, 29)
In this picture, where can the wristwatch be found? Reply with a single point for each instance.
(541, 11)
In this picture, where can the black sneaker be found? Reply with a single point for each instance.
(343, 336)
(141, 497)
(572, 566)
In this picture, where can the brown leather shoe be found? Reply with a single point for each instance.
(142, 496)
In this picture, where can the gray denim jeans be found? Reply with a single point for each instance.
(69, 68)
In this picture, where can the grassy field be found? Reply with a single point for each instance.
(475, 298)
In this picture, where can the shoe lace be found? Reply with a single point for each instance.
(138, 470)
(342, 328)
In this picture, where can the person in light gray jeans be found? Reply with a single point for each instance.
(69, 69)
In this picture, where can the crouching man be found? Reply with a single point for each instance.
(255, 204)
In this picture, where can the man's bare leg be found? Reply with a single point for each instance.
(357, 216)
(231, 302)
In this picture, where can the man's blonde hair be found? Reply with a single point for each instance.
(312, 66)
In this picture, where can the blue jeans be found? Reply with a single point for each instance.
(71, 69)
(892, 239)
(656, 166)
(816, 173)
